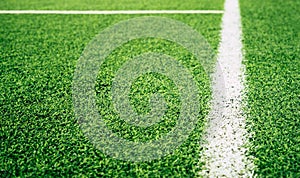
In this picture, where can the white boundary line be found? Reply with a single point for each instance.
(224, 152)
(111, 12)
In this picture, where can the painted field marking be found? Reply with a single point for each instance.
(226, 135)
(224, 153)
(111, 12)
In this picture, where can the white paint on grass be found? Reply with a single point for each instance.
(111, 12)
(226, 135)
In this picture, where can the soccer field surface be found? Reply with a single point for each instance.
(41, 135)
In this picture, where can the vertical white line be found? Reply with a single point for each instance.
(226, 135)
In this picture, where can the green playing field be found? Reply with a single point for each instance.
(40, 135)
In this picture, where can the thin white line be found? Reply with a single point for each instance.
(111, 12)
(224, 152)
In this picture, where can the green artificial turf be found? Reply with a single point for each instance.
(272, 47)
(39, 134)
(112, 4)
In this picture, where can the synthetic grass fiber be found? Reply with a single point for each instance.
(39, 133)
(271, 41)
